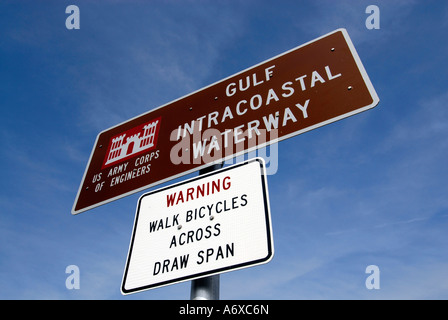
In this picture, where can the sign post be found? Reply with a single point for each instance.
(315, 84)
(206, 288)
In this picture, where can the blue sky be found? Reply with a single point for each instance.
(368, 190)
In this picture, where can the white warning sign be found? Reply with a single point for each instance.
(207, 225)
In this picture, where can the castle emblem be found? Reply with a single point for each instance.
(132, 142)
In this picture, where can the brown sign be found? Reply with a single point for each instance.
(312, 85)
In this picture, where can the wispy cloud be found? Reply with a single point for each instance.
(329, 15)
(140, 68)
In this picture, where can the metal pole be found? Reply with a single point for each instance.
(206, 288)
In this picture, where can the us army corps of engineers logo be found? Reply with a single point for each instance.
(132, 142)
